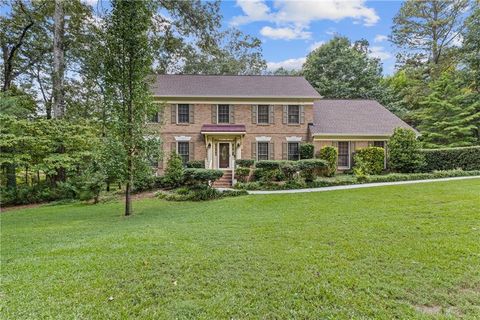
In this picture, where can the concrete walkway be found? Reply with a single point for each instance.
(358, 186)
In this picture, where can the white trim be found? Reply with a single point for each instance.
(223, 104)
(268, 114)
(294, 139)
(299, 114)
(182, 138)
(263, 139)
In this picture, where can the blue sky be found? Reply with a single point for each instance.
(289, 30)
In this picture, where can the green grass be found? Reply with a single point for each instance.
(409, 251)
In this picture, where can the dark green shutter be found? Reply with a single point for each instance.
(271, 151)
(271, 114)
(285, 114)
(191, 151)
(254, 113)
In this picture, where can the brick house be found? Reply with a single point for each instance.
(218, 119)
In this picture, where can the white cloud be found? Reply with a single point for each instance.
(302, 12)
(285, 33)
(380, 53)
(289, 64)
(380, 38)
(316, 44)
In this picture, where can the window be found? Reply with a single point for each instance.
(183, 151)
(293, 114)
(223, 113)
(379, 144)
(293, 151)
(262, 151)
(263, 114)
(183, 111)
(343, 154)
(154, 118)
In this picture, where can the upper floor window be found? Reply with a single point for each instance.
(183, 111)
(223, 113)
(293, 114)
(263, 112)
(183, 150)
(293, 151)
(262, 151)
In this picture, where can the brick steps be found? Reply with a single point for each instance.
(225, 181)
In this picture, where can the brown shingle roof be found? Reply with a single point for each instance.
(355, 117)
(233, 86)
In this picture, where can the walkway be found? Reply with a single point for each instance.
(358, 186)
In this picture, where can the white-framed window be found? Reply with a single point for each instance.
(262, 151)
(344, 154)
(293, 151)
(183, 113)
(183, 150)
(293, 114)
(263, 114)
(223, 113)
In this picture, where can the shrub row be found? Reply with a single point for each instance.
(466, 158)
(369, 161)
(198, 194)
(329, 182)
(330, 155)
(244, 163)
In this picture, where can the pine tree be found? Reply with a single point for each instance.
(450, 116)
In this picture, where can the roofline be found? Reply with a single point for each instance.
(228, 75)
(240, 97)
(223, 132)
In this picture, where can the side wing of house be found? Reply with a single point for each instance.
(350, 125)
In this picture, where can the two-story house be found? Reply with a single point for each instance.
(218, 119)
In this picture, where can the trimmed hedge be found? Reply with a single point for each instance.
(242, 173)
(310, 168)
(244, 163)
(466, 158)
(306, 151)
(198, 164)
(330, 155)
(268, 164)
(201, 176)
(369, 160)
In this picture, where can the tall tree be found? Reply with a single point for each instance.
(471, 48)
(58, 59)
(450, 115)
(426, 29)
(128, 65)
(339, 70)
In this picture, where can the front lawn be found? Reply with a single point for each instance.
(410, 251)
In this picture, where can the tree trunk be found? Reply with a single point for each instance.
(58, 60)
(128, 200)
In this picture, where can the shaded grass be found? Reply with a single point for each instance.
(392, 252)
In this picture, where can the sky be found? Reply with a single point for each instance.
(289, 30)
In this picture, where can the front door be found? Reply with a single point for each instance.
(223, 155)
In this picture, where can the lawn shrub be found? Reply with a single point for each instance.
(289, 169)
(242, 173)
(174, 171)
(257, 174)
(369, 161)
(466, 158)
(311, 168)
(306, 151)
(198, 164)
(194, 177)
(330, 155)
(404, 151)
(268, 164)
(244, 163)
(199, 193)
